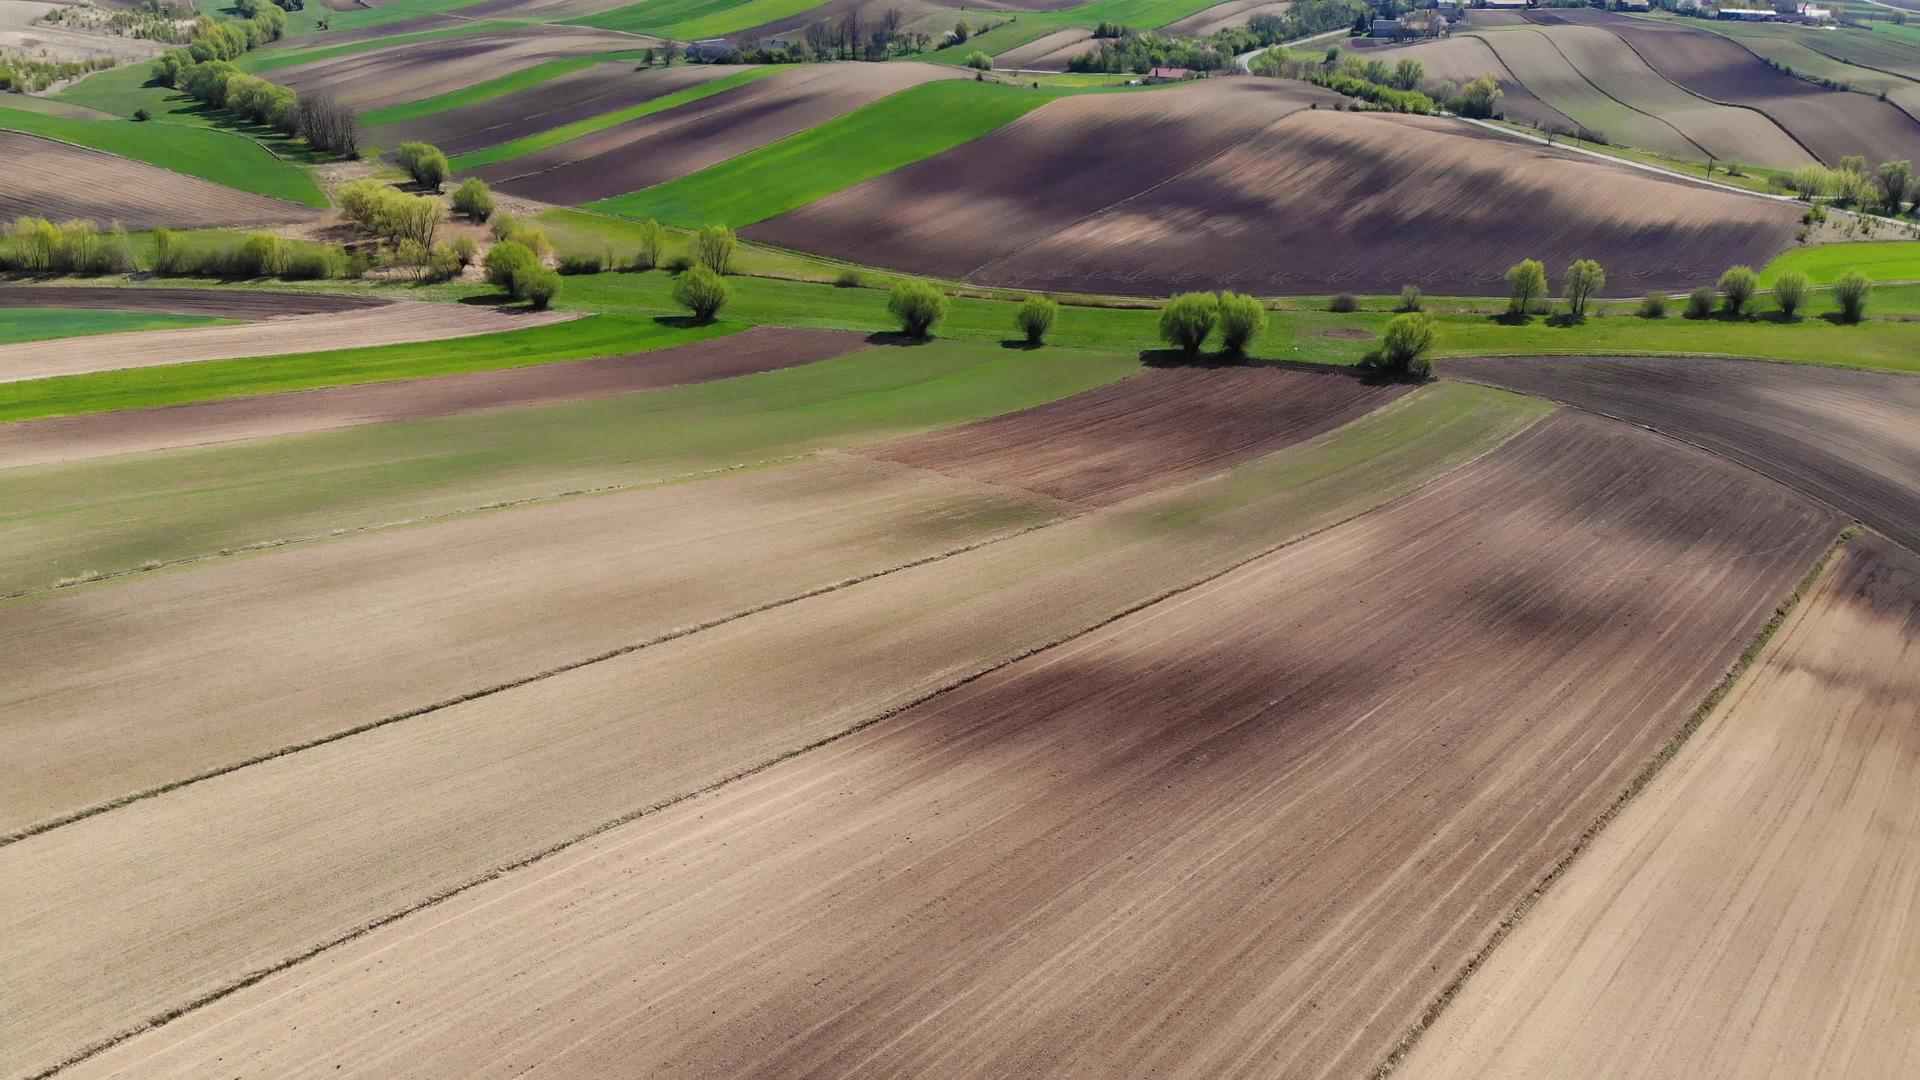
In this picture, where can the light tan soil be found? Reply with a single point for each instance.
(47, 178)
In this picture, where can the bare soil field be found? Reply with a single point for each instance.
(380, 77)
(387, 324)
(48, 178)
(1462, 59)
(20, 35)
(123, 688)
(74, 438)
(1246, 831)
(1221, 16)
(1367, 202)
(657, 148)
(219, 303)
(954, 212)
(1755, 912)
(575, 96)
(484, 11)
(1049, 53)
(246, 870)
(1152, 430)
(1848, 438)
(1536, 60)
(1829, 123)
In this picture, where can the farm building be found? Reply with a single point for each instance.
(1169, 74)
(1506, 5)
(1387, 28)
(712, 51)
(1633, 5)
(1746, 14)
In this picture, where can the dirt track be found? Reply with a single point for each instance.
(1366, 202)
(380, 77)
(1754, 913)
(73, 438)
(1848, 438)
(388, 324)
(361, 827)
(220, 303)
(1152, 430)
(657, 148)
(47, 178)
(1248, 831)
(599, 89)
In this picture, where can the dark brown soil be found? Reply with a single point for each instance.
(1155, 429)
(1848, 438)
(38, 442)
(52, 179)
(381, 77)
(219, 303)
(575, 96)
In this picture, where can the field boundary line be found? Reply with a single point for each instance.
(1602, 91)
(1748, 656)
(502, 869)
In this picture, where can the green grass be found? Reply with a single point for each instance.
(174, 384)
(568, 132)
(1034, 25)
(124, 90)
(113, 513)
(892, 132)
(486, 91)
(1874, 345)
(688, 20)
(1887, 260)
(219, 156)
(307, 19)
(302, 53)
(40, 324)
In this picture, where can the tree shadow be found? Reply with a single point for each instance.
(897, 337)
(1566, 320)
(1179, 358)
(1512, 318)
(1022, 344)
(682, 322)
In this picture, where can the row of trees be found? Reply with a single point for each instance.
(1733, 295)
(1891, 187)
(322, 120)
(36, 245)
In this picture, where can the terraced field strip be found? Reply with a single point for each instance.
(1752, 913)
(1868, 63)
(274, 59)
(1235, 833)
(77, 438)
(585, 126)
(116, 514)
(1848, 438)
(387, 324)
(604, 88)
(691, 20)
(42, 177)
(48, 323)
(392, 76)
(218, 157)
(217, 303)
(895, 131)
(1462, 58)
(618, 737)
(479, 92)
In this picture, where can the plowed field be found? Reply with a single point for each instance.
(1049, 53)
(575, 96)
(1754, 913)
(47, 178)
(1223, 16)
(1463, 58)
(377, 78)
(1248, 831)
(219, 303)
(1848, 438)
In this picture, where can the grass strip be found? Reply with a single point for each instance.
(1034, 25)
(895, 131)
(486, 91)
(1879, 260)
(568, 132)
(208, 380)
(269, 59)
(693, 19)
(217, 156)
(45, 323)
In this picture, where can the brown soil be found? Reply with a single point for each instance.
(1222, 16)
(469, 14)
(388, 324)
(1152, 430)
(1460, 60)
(1049, 53)
(220, 303)
(1753, 914)
(46, 178)
(38, 442)
(1348, 333)
(1249, 831)
(1848, 438)
(589, 92)
(1338, 202)
(657, 148)
(380, 77)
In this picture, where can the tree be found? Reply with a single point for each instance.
(1790, 292)
(1242, 318)
(1035, 317)
(327, 124)
(1477, 99)
(425, 163)
(1737, 287)
(1700, 302)
(1526, 283)
(979, 61)
(507, 260)
(1851, 291)
(652, 241)
(1187, 320)
(1584, 279)
(713, 248)
(1407, 74)
(919, 307)
(537, 285)
(702, 292)
(473, 198)
(1654, 306)
(1410, 298)
(1405, 343)
(1896, 180)
(961, 32)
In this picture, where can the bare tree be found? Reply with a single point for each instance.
(328, 124)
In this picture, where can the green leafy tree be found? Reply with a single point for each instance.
(702, 292)
(713, 248)
(1700, 302)
(506, 260)
(1896, 181)
(652, 243)
(473, 198)
(1790, 293)
(1526, 284)
(1410, 298)
(1035, 317)
(1407, 74)
(918, 306)
(1584, 280)
(1654, 306)
(537, 285)
(979, 61)
(1405, 343)
(1187, 320)
(425, 163)
(1737, 287)
(1850, 291)
(1242, 319)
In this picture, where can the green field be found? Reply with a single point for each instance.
(486, 91)
(175, 384)
(688, 20)
(1033, 25)
(306, 51)
(892, 132)
(1887, 260)
(124, 90)
(568, 132)
(40, 324)
(219, 156)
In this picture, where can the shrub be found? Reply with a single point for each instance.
(142, 115)
(1409, 298)
(848, 278)
(537, 285)
(314, 262)
(503, 226)
(1790, 293)
(702, 292)
(533, 238)
(425, 163)
(919, 307)
(1035, 317)
(506, 260)
(259, 255)
(1737, 286)
(1187, 319)
(1343, 304)
(712, 248)
(464, 248)
(1700, 302)
(1242, 318)
(653, 239)
(1851, 291)
(979, 61)
(1526, 284)
(582, 262)
(1654, 306)
(444, 264)
(473, 198)
(1584, 279)
(1405, 343)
